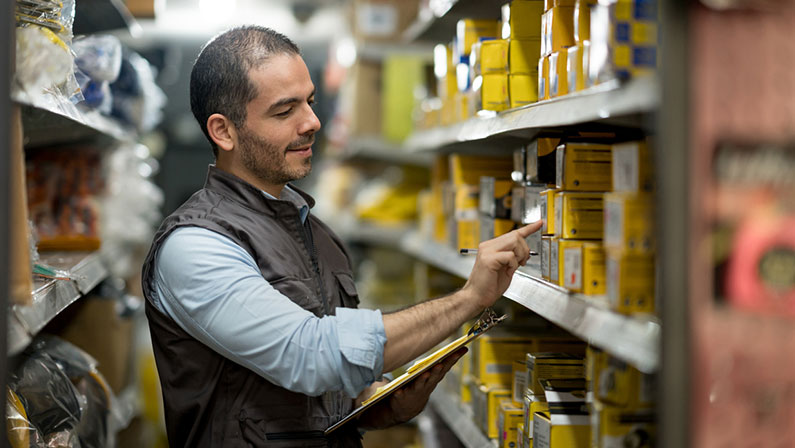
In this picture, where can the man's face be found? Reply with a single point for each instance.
(276, 141)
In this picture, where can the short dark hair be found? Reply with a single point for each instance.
(219, 81)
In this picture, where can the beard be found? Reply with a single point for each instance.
(269, 162)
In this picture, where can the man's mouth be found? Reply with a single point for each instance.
(302, 145)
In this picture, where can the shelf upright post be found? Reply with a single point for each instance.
(673, 205)
(7, 55)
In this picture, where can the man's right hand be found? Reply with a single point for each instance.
(497, 260)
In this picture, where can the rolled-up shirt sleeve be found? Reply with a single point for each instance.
(213, 290)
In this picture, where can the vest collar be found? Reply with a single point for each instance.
(243, 192)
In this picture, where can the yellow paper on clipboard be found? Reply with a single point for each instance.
(488, 320)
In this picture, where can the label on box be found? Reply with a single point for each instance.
(541, 432)
(612, 281)
(614, 223)
(626, 166)
(542, 205)
(519, 385)
(532, 211)
(517, 210)
(572, 268)
(559, 154)
(545, 247)
(553, 261)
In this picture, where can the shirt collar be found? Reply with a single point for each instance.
(290, 195)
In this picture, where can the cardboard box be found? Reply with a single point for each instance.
(465, 169)
(574, 68)
(530, 405)
(493, 356)
(401, 75)
(547, 205)
(523, 18)
(630, 282)
(582, 20)
(579, 215)
(543, 78)
(495, 197)
(141, 9)
(617, 426)
(382, 20)
(532, 207)
(617, 383)
(582, 266)
(470, 31)
(523, 89)
(494, 92)
(567, 423)
(494, 56)
(545, 254)
(632, 167)
(560, 28)
(552, 365)
(629, 222)
(584, 167)
(554, 273)
(558, 78)
(509, 417)
(523, 55)
(468, 233)
(486, 405)
(20, 272)
(517, 210)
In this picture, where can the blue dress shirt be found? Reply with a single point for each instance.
(213, 290)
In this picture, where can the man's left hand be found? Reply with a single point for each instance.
(408, 401)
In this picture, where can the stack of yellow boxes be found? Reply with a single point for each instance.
(522, 29)
(465, 174)
(623, 39)
(557, 30)
(470, 32)
(578, 55)
(447, 92)
(622, 406)
(544, 366)
(489, 68)
(533, 172)
(629, 230)
(574, 253)
(433, 221)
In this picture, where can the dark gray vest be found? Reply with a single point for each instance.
(211, 401)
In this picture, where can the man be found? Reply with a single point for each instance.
(250, 298)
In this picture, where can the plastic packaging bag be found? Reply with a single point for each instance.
(137, 99)
(61, 398)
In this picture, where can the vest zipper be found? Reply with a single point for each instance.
(310, 242)
(295, 435)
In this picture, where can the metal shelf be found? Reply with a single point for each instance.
(439, 25)
(611, 103)
(633, 339)
(51, 119)
(50, 297)
(375, 148)
(459, 420)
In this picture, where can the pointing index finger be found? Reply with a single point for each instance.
(525, 231)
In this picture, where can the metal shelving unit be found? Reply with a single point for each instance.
(631, 338)
(459, 420)
(610, 103)
(50, 297)
(438, 25)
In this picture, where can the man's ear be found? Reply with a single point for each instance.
(222, 131)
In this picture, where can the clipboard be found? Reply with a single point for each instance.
(486, 321)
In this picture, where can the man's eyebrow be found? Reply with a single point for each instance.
(285, 101)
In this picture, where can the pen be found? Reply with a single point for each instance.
(475, 251)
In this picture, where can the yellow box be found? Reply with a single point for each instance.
(543, 78)
(530, 405)
(582, 20)
(617, 426)
(465, 169)
(574, 68)
(494, 56)
(463, 106)
(629, 222)
(630, 282)
(548, 4)
(523, 89)
(552, 365)
(509, 417)
(519, 384)
(584, 167)
(494, 396)
(560, 430)
(582, 266)
(632, 167)
(495, 197)
(469, 31)
(558, 79)
(560, 28)
(579, 215)
(494, 354)
(545, 254)
(520, 440)
(523, 18)
(494, 92)
(619, 384)
(563, 3)
(523, 55)
(468, 233)
(466, 201)
(547, 205)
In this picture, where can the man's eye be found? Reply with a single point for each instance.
(285, 113)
